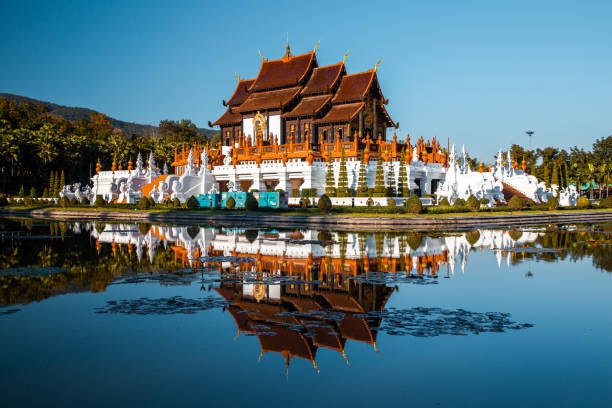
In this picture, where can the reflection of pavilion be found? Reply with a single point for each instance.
(301, 252)
(298, 319)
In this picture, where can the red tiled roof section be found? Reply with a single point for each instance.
(323, 79)
(228, 118)
(342, 113)
(308, 106)
(240, 93)
(282, 72)
(354, 87)
(269, 100)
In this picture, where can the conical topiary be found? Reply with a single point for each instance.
(402, 185)
(362, 182)
(391, 182)
(343, 190)
(379, 182)
(330, 179)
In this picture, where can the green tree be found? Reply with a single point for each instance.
(379, 182)
(330, 179)
(555, 175)
(62, 182)
(33, 192)
(21, 193)
(390, 190)
(402, 185)
(362, 182)
(343, 190)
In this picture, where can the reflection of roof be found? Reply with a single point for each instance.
(269, 100)
(287, 71)
(240, 93)
(288, 341)
(354, 87)
(342, 301)
(342, 113)
(356, 328)
(323, 79)
(308, 106)
(228, 118)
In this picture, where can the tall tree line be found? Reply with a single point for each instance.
(35, 146)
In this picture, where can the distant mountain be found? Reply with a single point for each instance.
(75, 113)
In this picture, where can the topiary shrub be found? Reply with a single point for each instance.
(324, 205)
(305, 202)
(444, 202)
(168, 202)
(99, 201)
(473, 204)
(516, 203)
(370, 202)
(63, 202)
(192, 203)
(484, 201)
(143, 204)
(390, 202)
(73, 202)
(515, 234)
(295, 193)
(230, 203)
(460, 202)
(552, 203)
(606, 202)
(152, 202)
(251, 203)
(583, 202)
(27, 201)
(176, 203)
(413, 205)
(84, 201)
(414, 240)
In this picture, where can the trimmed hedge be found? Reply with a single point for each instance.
(324, 204)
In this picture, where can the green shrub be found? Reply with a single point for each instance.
(473, 204)
(583, 203)
(192, 203)
(413, 205)
(552, 203)
(99, 201)
(21, 193)
(27, 201)
(33, 192)
(606, 202)
(144, 227)
(3, 201)
(73, 202)
(295, 193)
(370, 202)
(444, 202)
(516, 203)
(309, 192)
(414, 240)
(84, 201)
(168, 202)
(460, 202)
(251, 203)
(143, 204)
(531, 203)
(324, 205)
(63, 202)
(176, 203)
(305, 202)
(515, 234)
(484, 201)
(152, 202)
(390, 202)
(230, 203)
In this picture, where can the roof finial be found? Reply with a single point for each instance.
(316, 45)
(345, 55)
(377, 64)
(288, 51)
(262, 58)
(237, 76)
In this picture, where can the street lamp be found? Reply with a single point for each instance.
(530, 133)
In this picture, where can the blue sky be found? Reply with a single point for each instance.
(479, 73)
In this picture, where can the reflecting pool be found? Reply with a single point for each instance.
(106, 314)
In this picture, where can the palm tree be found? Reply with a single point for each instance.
(592, 177)
(605, 171)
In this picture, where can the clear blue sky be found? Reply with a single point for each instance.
(479, 73)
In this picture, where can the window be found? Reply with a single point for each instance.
(292, 133)
(340, 134)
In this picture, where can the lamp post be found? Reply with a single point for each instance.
(529, 134)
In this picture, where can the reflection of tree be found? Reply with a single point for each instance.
(83, 269)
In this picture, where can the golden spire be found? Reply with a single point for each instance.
(316, 45)
(377, 64)
(345, 55)
(237, 76)
(262, 57)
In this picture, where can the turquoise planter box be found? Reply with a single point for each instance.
(209, 200)
(273, 199)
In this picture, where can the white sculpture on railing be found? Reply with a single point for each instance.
(568, 196)
(75, 191)
(234, 187)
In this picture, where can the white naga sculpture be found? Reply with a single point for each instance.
(568, 196)
(75, 191)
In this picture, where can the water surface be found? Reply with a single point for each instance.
(96, 314)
